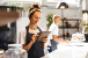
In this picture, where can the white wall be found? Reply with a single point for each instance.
(22, 22)
(68, 13)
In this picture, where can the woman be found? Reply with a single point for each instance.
(33, 45)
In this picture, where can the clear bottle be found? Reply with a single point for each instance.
(15, 51)
(2, 54)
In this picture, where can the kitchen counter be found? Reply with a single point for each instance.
(73, 50)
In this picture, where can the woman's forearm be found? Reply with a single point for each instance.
(28, 46)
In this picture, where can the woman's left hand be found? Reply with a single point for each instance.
(43, 37)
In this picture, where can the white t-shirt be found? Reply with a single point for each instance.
(54, 31)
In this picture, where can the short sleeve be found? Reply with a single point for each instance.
(54, 30)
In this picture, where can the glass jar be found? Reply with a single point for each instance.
(2, 54)
(15, 51)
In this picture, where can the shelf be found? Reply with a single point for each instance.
(71, 20)
(69, 27)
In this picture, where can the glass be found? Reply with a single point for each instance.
(15, 51)
(2, 54)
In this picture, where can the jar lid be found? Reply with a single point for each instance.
(15, 45)
(1, 51)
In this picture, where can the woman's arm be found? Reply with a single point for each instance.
(30, 44)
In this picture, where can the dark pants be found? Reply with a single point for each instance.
(53, 46)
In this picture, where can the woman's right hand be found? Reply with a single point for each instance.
(29, 45)
(34, 38)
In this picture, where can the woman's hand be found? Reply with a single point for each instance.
(34, 38)
(29, 45)
(43, 37)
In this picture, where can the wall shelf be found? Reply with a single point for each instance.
(69, 27)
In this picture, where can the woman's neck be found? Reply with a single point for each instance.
(33, 26)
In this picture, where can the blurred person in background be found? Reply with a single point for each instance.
(54, 38)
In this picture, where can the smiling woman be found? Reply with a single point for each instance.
(33, 44)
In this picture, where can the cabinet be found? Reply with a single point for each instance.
(69, 27)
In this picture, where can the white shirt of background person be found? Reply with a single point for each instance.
(54, 29)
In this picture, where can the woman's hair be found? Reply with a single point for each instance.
(34, 9)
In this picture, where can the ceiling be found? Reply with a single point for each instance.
(43, 3)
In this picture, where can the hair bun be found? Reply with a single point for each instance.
(36, 6)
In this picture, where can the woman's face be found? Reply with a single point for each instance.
(35, 17)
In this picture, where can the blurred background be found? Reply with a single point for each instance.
(14, 17)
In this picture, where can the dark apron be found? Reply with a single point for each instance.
(36, 50)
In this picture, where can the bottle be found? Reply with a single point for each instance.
(15, 51)
(2, 54)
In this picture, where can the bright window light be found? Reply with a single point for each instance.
(73, 2)
(52, 0)
(84, 5)
(85, 16)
